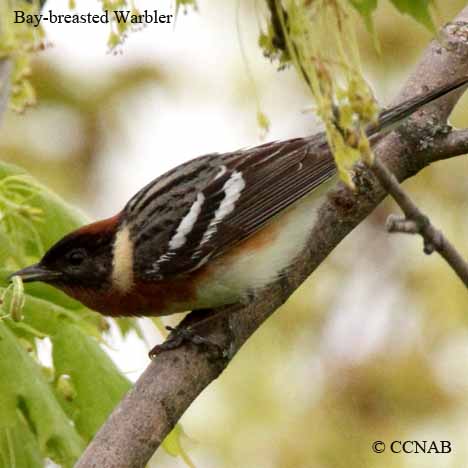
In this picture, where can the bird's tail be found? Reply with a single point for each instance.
(388, 119)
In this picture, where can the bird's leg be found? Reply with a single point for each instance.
(181, 335)
(185, 332)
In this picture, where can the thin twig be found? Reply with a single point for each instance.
(416, 222)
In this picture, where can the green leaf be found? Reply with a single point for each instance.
(365, 8)
(56, 216)
(27, 399)
(19, 448)
(98, 384)
(50, 412)
(173, 446)
(48, 318)
(126, 325)
(418, 9)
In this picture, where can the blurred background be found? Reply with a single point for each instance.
(374, 346)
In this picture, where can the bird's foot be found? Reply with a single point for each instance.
(181, 335)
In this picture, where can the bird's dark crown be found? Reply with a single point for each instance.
(82, 258)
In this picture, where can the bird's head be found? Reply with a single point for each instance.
(82, 259)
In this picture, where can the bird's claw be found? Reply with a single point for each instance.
(181, 335)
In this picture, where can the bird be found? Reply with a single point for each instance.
(211, 232)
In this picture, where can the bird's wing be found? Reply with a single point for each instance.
(242, 192)
(201, 209)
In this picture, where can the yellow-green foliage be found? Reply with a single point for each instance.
(54, 411)
(185, 4)
(318, 37)
(118, 30)
(17, 43)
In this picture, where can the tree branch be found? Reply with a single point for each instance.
(171, 382)
(416, 222)
(454, 144)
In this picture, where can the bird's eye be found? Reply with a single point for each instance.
(76, 257)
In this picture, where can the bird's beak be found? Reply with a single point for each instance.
(36, 273)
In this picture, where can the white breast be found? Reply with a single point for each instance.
(233, 276)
